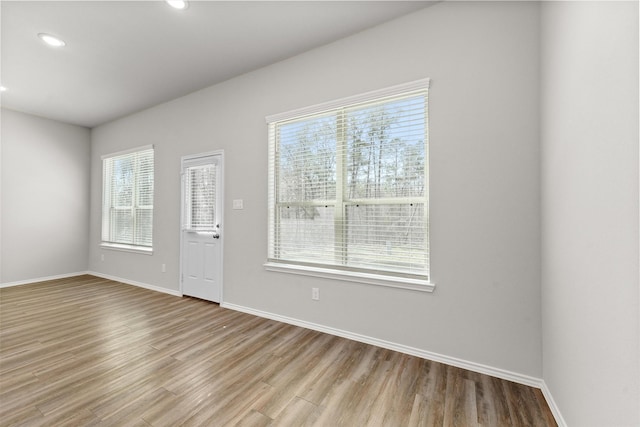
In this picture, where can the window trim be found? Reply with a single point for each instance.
(352, 276)
(124, 247)
(356, 99)
(388, 278)
(146, 250)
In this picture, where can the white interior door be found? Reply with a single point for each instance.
(201, 252)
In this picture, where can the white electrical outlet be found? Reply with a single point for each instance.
(238, 204)
(315, 294)
(164, 268)
(102, 257)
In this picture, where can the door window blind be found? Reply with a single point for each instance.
(200, 187)
(348, 185)
(127, 208)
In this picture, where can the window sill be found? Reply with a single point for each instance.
(368, 278)
(127, 248)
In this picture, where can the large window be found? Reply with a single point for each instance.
(127, 199)
(348, 186)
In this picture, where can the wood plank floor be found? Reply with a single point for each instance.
(87, 351)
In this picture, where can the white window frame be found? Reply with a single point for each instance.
(106, 239)
(386, 279)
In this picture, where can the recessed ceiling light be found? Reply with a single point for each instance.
(177, 4)
(51, 40)
(3, 89)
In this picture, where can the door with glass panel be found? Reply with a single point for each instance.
(202, 229)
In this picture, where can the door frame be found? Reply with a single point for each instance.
(220, 191)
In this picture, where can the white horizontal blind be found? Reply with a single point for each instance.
(127, 206)
(200, 197)
(348, 186)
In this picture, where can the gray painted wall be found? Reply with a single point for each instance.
(590, 284)
(484, 64)
(483, 59)
(45, 197)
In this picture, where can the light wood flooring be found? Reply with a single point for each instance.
(87, 351)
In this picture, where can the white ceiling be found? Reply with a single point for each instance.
(124, 56)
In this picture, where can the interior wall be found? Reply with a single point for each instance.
(482, 59)
(45, 197)
(590, 283)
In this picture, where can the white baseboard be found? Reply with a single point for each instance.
(552, 405)
(453, 361)
(135, 283)
(42, 279)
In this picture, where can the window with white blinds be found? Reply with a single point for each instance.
(348, 184)
(127, 203)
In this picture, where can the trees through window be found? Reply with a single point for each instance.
(348, 186)
(127, 206)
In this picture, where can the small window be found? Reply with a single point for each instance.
(127, 203)
(348, 185)
(200, 195)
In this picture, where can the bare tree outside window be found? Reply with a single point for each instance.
(350, 187)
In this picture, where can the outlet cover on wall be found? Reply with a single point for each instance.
(238, 204)
(315, 294)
